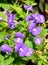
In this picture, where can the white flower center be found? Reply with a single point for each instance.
(38, 40)
(34, 29)
(21, 49)
(18, 39)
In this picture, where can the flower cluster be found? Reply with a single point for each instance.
(33, 28)
(23, 50)
(20, 47)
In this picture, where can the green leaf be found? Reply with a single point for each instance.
(1, 60)
(46, 46)
(8, 61)
(43, 59)
(39, 47)
(24, 23)
(43, 32)
(33, 4)
(19, 10)
(4, 16)
(11, 42)
(3, 25)
(2, 35)
(5, 5)
(32, 57)
(39, 63)
(28, 43)
(28, 2)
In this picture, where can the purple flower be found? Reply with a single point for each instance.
(38, 40)
(6, 48)
(26, 7)
(18, 46)
(29, 18)
(38, 18)
(11, 18)
(18, 40)
(31, 26)
(23, 50)
(19, 35)
(11, 24)
(29, 52)
(36, 31)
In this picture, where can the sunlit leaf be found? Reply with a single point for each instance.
(2, 35)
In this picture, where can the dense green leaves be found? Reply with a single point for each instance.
(30, 2)
(19, 10)
(43, 58)
(39, 63)
(8, 61)
(1, 60)
(5, 5)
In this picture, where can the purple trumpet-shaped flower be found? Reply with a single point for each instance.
(29, 52)
(18, 40)
(11, 25)
(29, 18)
(23, 50)
(31, 26)
(38, 18)
(38, 40)
(18, 46)
(6, 48)
(26, 7)
(19, 35)
(11, 18)
(36, 31)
